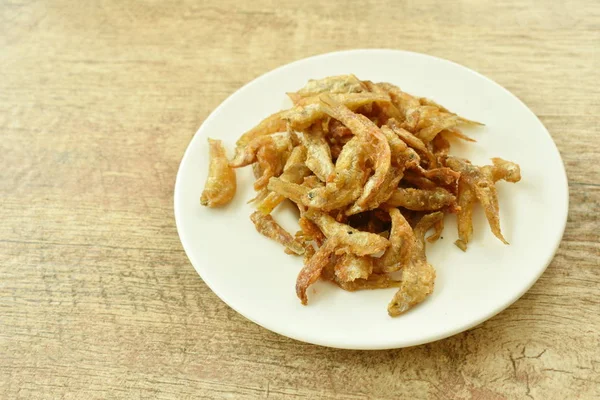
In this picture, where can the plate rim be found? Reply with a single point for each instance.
(400, 343)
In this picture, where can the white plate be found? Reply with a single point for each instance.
(256, 278)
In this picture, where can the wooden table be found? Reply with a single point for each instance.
(98, 101)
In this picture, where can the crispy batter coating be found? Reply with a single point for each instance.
(312, 269)
(413, 178)
(374, 281)
(418, 277)
(412, 141)
(304, 114)
(370, 170)
(310, 109)
(398, 149)
(220, 184)
(402, 242)
(292, 191)
(267, 226)
(378, 146)
(311, 231)
(439, 228)
(351, 240)
(478, 183)
(423, 117)
(294, 171)
(421, 199)
(318, 158)
(505, 170)
(270, 163)
(330, 84)
(350, 267)
(481, 181)
(346, 184)
(390, 184)
(464, 216)
(281, 142)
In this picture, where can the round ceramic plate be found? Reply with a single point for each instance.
(255, 277)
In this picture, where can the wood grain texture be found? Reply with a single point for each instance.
(98, 101)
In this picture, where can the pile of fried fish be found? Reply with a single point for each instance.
(368, 168)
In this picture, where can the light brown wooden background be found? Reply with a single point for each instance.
(98, 101)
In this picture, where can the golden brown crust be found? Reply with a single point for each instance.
(368, 167)
(221, 184)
